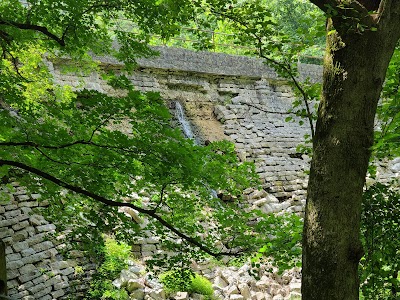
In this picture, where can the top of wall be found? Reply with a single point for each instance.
(177, 59)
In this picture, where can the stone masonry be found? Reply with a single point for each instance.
(36, 270)
(225, 97)
(228, 97)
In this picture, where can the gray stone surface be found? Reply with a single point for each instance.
(225, 97)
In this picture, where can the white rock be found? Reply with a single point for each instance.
(117, 283)
(260, 296)
(260, 202)
(272, 199)
(153, 283)
(126, 275)
(395, 167)
(286, 278)
(138, 270)
(244, 269)
(157, 294)
(258, 194)
(244, 290)
(267, 209)
(232, 290)
(181, 296)
(236, 297)
(137, 294)
(263, 283)
(218, 281)
(295, 287)
(295, 296)
(274, 288)
(134, 284)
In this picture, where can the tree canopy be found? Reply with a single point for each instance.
(63, 141)
(90, 154)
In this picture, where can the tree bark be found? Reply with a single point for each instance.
(354, 71)
(3, 270)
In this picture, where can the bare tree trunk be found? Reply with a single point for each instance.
(354, 71)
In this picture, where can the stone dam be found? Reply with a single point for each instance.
(225, 97)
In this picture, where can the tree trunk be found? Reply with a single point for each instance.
(3, 270)
(354, 71)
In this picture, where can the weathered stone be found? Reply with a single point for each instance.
(18, 247)
(59, 265)
(232, 290)
(157, 294)
(8, 222)
(15, 264)
(60, 285)
(11, 274)
(295, 287)
(25, 277)
(4, 233)
(44, 292)
(36, 257)
(27, 252)
(22, 198)
(134, 284)
(197, 297)
(13, 256)
(9, 207)
(137, 294)
(295, 296)
(148, 248)
(260, 202)
(181, 296)
(67, 271)
(218, 281)
(20, 235)
(244, 290)
(43, 246)
(36, 220)
(45, 228)
(57, 294)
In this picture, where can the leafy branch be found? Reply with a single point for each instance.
(149, 212)
(38, 28)
(256, 32)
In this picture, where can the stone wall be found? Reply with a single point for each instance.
(229, 97)
(225, 97)
(36, 270)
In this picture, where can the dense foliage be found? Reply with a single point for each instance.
(103, 152)
(184, 280)
(379, 268)
(387, 135)
(113, 257)
(92, 154)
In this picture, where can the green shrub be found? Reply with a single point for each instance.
(185, 280)
(114, 261)
(201, 285)
(178, 280)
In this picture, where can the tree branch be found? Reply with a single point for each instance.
(42, 29)
(36, 145)
(112, 203)
(284, 66)
(324, 4)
